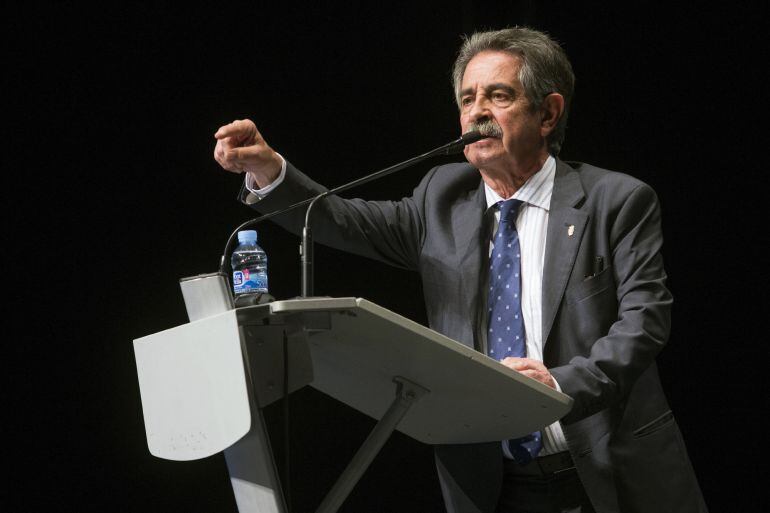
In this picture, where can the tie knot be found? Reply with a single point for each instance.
(509, 209)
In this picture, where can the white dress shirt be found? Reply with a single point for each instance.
(532, 226)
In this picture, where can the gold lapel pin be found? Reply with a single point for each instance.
(570, 230)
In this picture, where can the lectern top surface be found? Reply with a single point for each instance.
(471, 398)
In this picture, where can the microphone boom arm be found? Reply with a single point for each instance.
(306, 249)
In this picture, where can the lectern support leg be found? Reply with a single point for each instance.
(406, 394)
(253, 475)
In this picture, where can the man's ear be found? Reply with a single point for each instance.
(551, 112)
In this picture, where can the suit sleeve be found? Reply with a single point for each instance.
(606, 374)
(389, 231)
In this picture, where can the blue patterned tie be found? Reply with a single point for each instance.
(506, 324)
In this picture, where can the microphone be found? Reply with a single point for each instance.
(306, 248)
(467, 138)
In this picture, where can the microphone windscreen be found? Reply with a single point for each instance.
(472, 136)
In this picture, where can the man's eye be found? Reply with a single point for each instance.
(466, 100)
(501, 98)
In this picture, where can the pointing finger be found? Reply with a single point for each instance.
(227, 131)
(240, 129)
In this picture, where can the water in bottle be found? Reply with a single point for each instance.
(249, 263)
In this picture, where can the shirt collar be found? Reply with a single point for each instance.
(536, 191)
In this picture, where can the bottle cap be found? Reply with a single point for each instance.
(247, 236)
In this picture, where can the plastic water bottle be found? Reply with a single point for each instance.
(249, 263)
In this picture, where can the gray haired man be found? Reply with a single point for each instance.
(590, 284)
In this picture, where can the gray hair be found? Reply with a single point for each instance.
(545, 68)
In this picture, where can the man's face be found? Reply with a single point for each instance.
(491, 91)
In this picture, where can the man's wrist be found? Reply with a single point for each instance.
(261, 192)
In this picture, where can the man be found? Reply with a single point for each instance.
(570, 285)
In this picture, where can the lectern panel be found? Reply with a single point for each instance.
(472, 397)
(193, 387)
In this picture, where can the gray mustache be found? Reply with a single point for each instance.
(487, 127)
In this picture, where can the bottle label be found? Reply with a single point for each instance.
(247, 281)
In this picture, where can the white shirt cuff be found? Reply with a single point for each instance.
(251, 186)
(558, 388)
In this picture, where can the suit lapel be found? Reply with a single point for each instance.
(566, 225)
(469, 230)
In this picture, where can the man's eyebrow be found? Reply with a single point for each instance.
(490, 87)
(502, 86)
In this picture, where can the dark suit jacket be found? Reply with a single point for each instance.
(601, 331)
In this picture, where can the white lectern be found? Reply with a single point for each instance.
(204, 384)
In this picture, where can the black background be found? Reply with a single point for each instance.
(113, 196)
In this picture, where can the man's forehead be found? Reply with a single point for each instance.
(491, 67)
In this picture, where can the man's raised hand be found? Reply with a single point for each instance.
(240, 148)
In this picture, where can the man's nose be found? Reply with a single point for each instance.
(480, 109)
